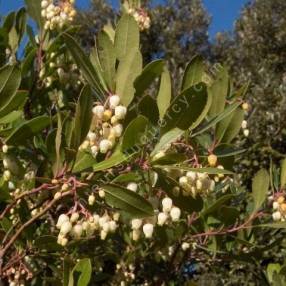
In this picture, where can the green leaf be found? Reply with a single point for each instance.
(188, 109)
(84, 268)
(21, 19)
(83, 62)
(10, 79)
(134, 133)
(11, 117)
(165, 93)
(212, 122)
(126, 36)
(129, 68)
(167, 139)
(217, 204)
(283, 174)
(150, 72)
(16, 101)
(34, 10)
(226, 150)
(26, 130)
(83, 117)
(128, 201)
(148, 108)
(83, 162)
(219, 91)
(230, 126)
(194, 73)
(116, 159)
(107, 59)
(260, 186)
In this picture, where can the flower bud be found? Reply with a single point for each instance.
(132, 187)
(162, 218)
(66, 228)
(91, 200)
(6, 175)
(167, 204)
(98, 111)
(74, 217)
(245, 106)
(192, 176)
(94, 150)
(62, 218)
(120, 111)
(185, 246)
(112, 226)
(148, 229)
(57, 195)
(91, 136)
(275, 205)
(101, 193)
(64, 241)
(114, 101)
(77, 230)
(64, 187)
(246, 132)
(244, 124)
(107, 114)
(136, 223)
(175, 214)
(276, 216)
(5, 148)
(104, 146)
(117, 129)
(212, 159)
(183, 181)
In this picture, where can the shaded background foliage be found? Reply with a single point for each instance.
(255, 52)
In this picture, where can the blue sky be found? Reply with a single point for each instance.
(223, 12)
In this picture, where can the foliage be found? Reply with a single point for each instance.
(115, 175)
(256, 54)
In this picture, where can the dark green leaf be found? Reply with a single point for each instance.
(134, 133)
(129, 68)
(165, 93)
(85, 65)
(107, 58)
(26, 130)
(150, 72)
(188, 109)
(193, 73)
(260, 186)
(128, 201)
(219, 91)
(126, 36)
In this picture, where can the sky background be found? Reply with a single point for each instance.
(223, 12)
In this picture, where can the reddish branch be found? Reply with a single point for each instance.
(5, 248)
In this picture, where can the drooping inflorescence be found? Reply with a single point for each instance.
(106, 127)
(57, 15)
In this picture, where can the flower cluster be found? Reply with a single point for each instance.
(75, 227)
(279, 207)
(194, 183)
(106, 126)
(244, 125)
(56, 16)
(141, 17)
(169, 213)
